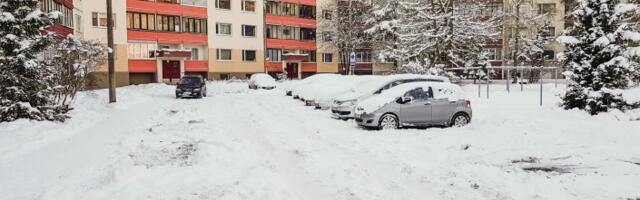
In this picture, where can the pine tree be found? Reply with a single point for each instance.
(24, 86)
(599, 57)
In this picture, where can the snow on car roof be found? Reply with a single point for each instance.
(440, 90)
(263, 80)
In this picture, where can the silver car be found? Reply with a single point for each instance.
(416, 106)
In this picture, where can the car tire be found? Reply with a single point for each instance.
(459, 120)
(177, 96)
(388, 121)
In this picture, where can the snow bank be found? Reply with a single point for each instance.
(263, 80)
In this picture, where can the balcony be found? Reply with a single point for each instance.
(290, 21)
(291, 44)
(166, 8)
(168, 37)
(142, 66)
(196, 66)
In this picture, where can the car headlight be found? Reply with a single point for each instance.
(196, 90)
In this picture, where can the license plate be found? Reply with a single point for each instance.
(187, 93)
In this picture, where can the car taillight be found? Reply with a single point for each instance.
(469, 103)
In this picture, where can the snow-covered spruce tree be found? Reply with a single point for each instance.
(599, 57)
(532, 50)
(24, 87)
(70, 63)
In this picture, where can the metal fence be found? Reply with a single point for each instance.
(508, 70)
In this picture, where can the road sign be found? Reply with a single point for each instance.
(352, 59)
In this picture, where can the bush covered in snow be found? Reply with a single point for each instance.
(26, 90)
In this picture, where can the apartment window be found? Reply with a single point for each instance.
(312, 55)
(248, 55)
(288, 9)
(326, 36)
(272, 31)
(552, 32)
(200, 3)
(327, 14)
(224, 54)
(223, 4)
(141, 21)
(327, 57)
(548, 54)
(100, 20)
(289, 33)
(308, 34)
(141, 50)
(168, 23)
(274, 55)
(194, 25)
(248, 31)
(195, 54)
(248, 5)
(223, 29)
(363, 57)
(495, 54)
(272, 7)
(78, 24)
(546, 8)
(308, 12)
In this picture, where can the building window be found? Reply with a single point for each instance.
(248, 5)
(495, 54)
(194, 25)
(363, 57)
(78, 24)
(272, 31)
(546, 8)
(224, 54)
(248, 31)
(326, 36)
(223, 4)
(195, 54)
(249, 55)
(286, 9)
(308, 34)
(223, 29)
(141, 50)
(327, 57)
(548, 54)
(50, 6)
(100, 20)
(271, 7)
(274, 55)
(141, 21)
(312, 55)
(200, 3)
(168, 23)
(327, 14)
(307, 12)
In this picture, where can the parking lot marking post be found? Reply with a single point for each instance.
(488, 80)
(479, 84)
(556, 78)
(508, 81)
(541, 69)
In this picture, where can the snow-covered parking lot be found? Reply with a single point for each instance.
(247, 144)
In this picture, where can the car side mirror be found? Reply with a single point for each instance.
(403, 100)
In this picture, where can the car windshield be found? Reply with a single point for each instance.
(190, 80)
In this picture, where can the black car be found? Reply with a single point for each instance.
(191, 86)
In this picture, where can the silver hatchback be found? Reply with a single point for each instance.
(415, 105)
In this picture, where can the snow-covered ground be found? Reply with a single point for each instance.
(245, 144)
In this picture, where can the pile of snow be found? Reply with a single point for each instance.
(262, 80)
(440, 91)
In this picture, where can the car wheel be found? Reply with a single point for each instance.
(388, 121)
(459, 120)
(177, 96)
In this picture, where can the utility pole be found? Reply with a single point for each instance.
(112, 81)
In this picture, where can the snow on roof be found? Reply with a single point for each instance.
(376, 82)
(440, 90)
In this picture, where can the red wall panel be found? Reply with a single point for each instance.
(142, 66)
(290, 21)
(168, 38)
(309, 67)
(196, 66)
(290, 44)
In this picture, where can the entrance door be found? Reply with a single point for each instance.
(292, 70)
(171, 70)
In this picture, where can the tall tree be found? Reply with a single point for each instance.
(599, 57)
(532, 50)
(25, 90)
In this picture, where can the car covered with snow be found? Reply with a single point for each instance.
(418, 104)
(322, 92)
(342, 106)
(262, 81)
(191, 86)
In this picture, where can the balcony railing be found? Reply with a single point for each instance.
(199, 3)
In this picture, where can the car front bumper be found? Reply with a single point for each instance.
(342, 111)
(367, 120)
(185, 93)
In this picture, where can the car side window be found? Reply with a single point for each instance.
(417, 94)
(430, 93)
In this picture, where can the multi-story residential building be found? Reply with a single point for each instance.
(64, 25)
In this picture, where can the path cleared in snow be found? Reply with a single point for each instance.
(245, 144)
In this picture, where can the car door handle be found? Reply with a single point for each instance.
(427, 104)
